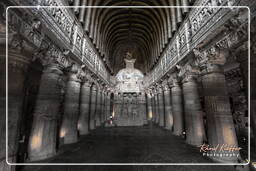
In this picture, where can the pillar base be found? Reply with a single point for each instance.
(177, 133)
(83, 132)
(70, 140)
(42, 157)
(168, 128)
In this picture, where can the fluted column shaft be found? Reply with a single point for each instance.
(153, 102)
(149, 107)
(168, 108)
(42, 141)
(220, 124)
(102, 115)
(108, 106)
(157, 107)
(98, 107)
(83, 122)
(92, 107)
(71, 109)
(161, 108)
(177, 109)
(193, 113)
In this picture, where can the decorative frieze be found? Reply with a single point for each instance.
(64, 29)
(195, 29)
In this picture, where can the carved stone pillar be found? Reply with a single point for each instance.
(103, 112)
(161, 107)
(108, 105)
(93, 106)
(149, 106)
(98, 107)
(177, 106)
(156, 107)
(153, 106)
(220, 124)
(193, 110)
(17, 69)
(168, 106)
(71, 107)
(42, 141)
(83, 122)
(143, 108)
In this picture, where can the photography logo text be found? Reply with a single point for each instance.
(220, 150)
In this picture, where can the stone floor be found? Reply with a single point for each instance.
(148, 144)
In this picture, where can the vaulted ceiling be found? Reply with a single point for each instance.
(144, 32)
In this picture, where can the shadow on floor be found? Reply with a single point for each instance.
(147, 144)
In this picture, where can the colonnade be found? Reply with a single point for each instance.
(85, 107)
(201, 117)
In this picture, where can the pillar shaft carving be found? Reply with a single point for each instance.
(167, 106)
(98, 106)
(71, 106)
(149, 105)
(105, 108)
(161, 110)
(154, 105)
(102, 114)
(93, 106)
(177, 105)
(220, 126)
(153, 102)
(157, 110)
(83, 122)
(42, 142)
(108, 105)
(194, 124)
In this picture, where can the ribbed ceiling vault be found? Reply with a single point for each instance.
(144, 32)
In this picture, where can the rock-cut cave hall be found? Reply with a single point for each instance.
(127, 82)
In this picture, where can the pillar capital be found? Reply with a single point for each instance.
(84, 76)
(72, 72)
(165, 85)
(173, 80)
(212, 56)
(94, 86)
(48, 55)
(188, 72)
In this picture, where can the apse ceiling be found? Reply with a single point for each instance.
(144, 32)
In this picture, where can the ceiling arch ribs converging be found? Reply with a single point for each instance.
(145, 31)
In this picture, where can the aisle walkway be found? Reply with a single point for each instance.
(148, 144)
